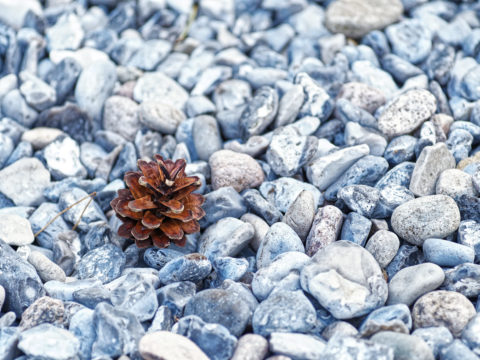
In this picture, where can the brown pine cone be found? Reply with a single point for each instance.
(158, 206)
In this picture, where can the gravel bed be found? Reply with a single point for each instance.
(338, 145)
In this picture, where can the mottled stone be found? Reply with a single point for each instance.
(192, 267)
(251, 347)
(350, 347)
(169, 346)
(15, 230)
(43, 310)
(300, 214)
(120, 116)
(260, 112)
(464, 279)
(362, 95)
(296, 345)
(104, 263)
(325, 229)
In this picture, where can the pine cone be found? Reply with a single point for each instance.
(158, 206)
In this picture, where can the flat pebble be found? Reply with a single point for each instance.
(443, 308)
(360, 287)
(192, 267)
(434, 216)
(46, 269)
(169, 346)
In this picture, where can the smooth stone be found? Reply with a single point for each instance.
(62, 158)
(464, 279)
(447, 253)
(395, 121)
(104, 263)
(120, 115)
(48, 341)
(356, 228)
(433, 160)
(24, 181)
(356, 134)
(411, 282)
(455, 183)
(158, 115)
(251, 347)
(435, 216)
(362, 95)
(276, 314)
(400, 149)
(94, 86)
(192, 267)
(46, 268)
(280, 275)
(295, 345)
(289, 106)
(383, 245)
(339, 329)
(436, 337)
(260, 111)
(443, 308)
(325, 170)
(457, 350)
(405, 346)
(395, 318)
(222, 307)
(221, 203)
(359, 284)
(169, 346)
(260, 228)
(15, 107)
(300, 214)
(157, 85)
(280, 238)
(240, 171)
(349, 347)
(282, 192)
(356, 18)
(231, 94)
(325, 229)
(227, 237)
(214, 339)
(15, 230)
(206, 136)
(176, 295)
(362, 199)
(254, 146)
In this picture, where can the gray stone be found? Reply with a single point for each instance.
(231, 94)
(157, 85)
(46, 269)
(436, 337)
(49, 342)
(150, 54)
(360, 286)
(289, 106)
(351, 348)
(169, 346)
(15, 107)
(383, 245)
(455, 183)
(405, 346)
(435, 216)
(360, 198)
(92, 213)
(254, 146)
(276, 314)
(300, 214)
(464, 279)
(192, 267)
(66, 34)
(362, 95)
(8, 342)
(433, 160)
(222, 203)
(443, 308)
(94, 86)
(120, 116)
(366, 72)
(457, 350)
(62, 158)
(317, 101)
(410, 283)
(163, 320)
(15, 230)
(37, 93)
(24, 181)
(395, 318)
(240, 171)
(279, 239)
(257, 204)
(104, 263)
(407, 112)
(447, 253)
(158, 115)
(206, 136)
(355, 134)
(251, 347)
(470, 334)
(325, 170)
(81, 325)
(325, 229)
(260, 112)
(357, 18)
(43, 310)
(296, 346)
(260, 228)
(339, 329)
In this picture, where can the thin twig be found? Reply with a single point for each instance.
(81, 215)
(65, 210)
(188, 25)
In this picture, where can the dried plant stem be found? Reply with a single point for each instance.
(191, 18)
(91, 196)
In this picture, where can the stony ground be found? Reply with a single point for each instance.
(338, 144)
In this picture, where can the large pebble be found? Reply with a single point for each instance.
(443, 308)
(455, 183)
(24, 181)
(169, 346)
(405, 346)
(410, 283)
(160, 116)
(206, 136)
(383, 245)
(276, 314)
(230, 168)
(447, 253)
(62, 158)
(349, 347)
(433, 160)
(435, 216)
(407, 112)
(221, 203)
(388, 318)
(15, 230)
(356, 18)
(345, 279)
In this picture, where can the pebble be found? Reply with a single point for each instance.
(296, 345)
(192, 267)
(447, 253)
(15, 107)
(300, 214)
(355, 134)
(279, 239)
(283, 191)
(365, 72)
(36, 92)
(355, 292)
(91, 214)
(104, 263)
(383, 245)
(275, 314)
(325, 229)
(436, 337)
(8, 342)
(457, 350)
(221, 203)
(400, 149)
(260, 111)
(435, 216)
(162, 321)
(399, 175)
(64, 290)
(355, 18)
(339, 329)
(362, 95)
(394, 318)
(222, 307)
(46, 269)
(470, 335)
(214, 339)
(349, 347)
(289, 106)
(325, 170)
(443, 308)
(464, 279)
(158, 258)
(120, 115)
(455, 183)
(62, 158)
(260, 228)
(15, 230)
(24, 181)
(43, 310)
(360, 198)
(48, 341)
(176, 295)
(356, 228)
(317, 101)
(405, 346)
(240, 171)
(169, 346)
(227, 237)
(251, 347)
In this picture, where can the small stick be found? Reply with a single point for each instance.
(65, 210)
(188, 25)
(83, 212)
